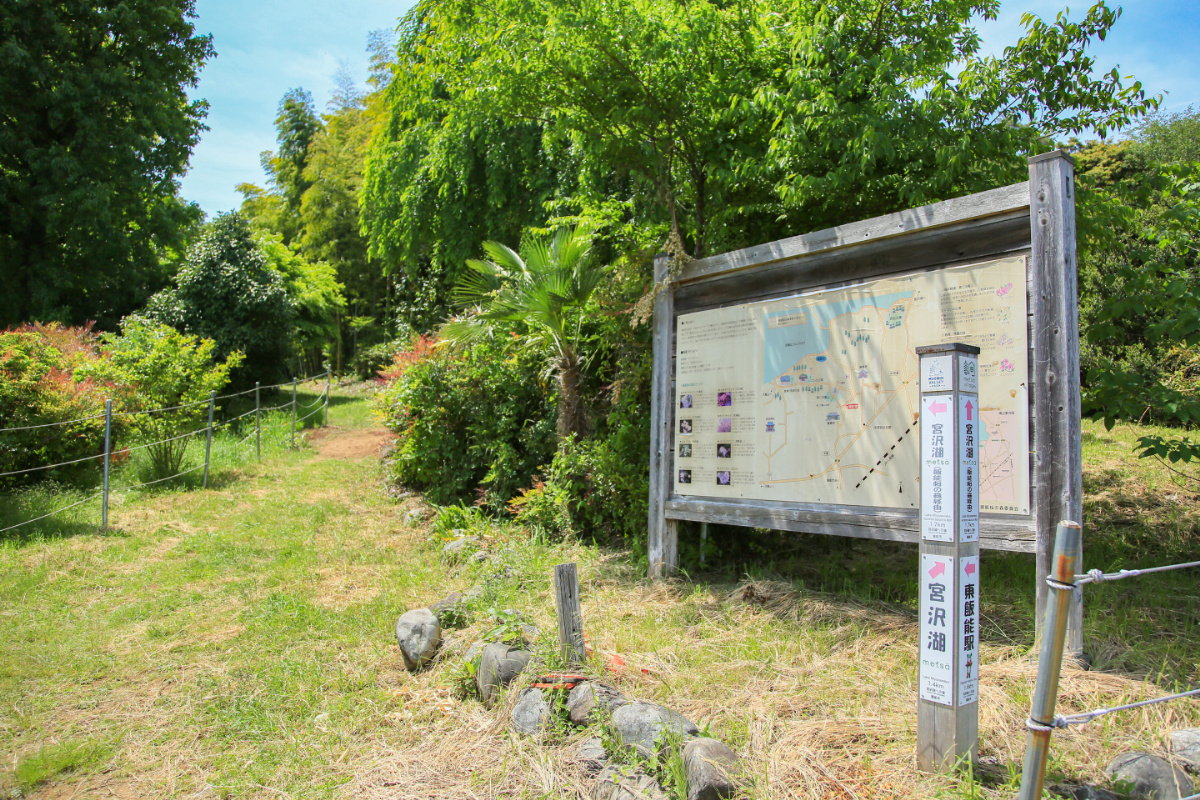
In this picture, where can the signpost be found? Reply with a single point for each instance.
(948, 664)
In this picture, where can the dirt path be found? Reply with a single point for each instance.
(349, 443)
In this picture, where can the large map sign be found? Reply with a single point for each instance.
(814, 398)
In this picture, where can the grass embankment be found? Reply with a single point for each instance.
(238, 642)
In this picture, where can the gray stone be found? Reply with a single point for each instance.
(460, 545)
(474, 651)
(639, 724)
(617, 783)
(419, 635)
(711, 769)
(1185, 746)
(531, 712)
(1150, 776)
(590, 753)
(479, 555)
(1083, 792)
(588, 696)
(499, 664)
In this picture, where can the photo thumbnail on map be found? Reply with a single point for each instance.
(723, 478)
(724, 399)
(685, 476)
(685, 426)
(724, 451)
(685, 451)
(685, 401)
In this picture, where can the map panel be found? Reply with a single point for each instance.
(815, 398)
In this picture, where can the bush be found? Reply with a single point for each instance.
(470, 427)
(162, 369)
(38, 387)
(368, 362)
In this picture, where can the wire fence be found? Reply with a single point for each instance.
(320, 405)
(1042, 720)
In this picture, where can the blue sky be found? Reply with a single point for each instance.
(265, 47)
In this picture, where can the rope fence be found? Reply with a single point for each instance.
(319, 405)
(1042, 720)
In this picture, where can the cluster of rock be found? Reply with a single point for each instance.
(647, 728)
(1155, 777)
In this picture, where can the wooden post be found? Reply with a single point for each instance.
(570, 618)
(208, 440)
(107, 461)
(948, 649)
(703, 539)
(293, 412)
(257, 423)
(663, 532)
(1058, 435)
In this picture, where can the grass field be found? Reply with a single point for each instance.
(237, 642)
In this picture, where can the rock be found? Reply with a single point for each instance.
(614, 783)
(499, 664)
(450, 610)
(1150, 776)
(474, 593)
(591, 754)
(588, 696)
(531, 712)
(479, 556)
(1083, 792)
(638, 724)
(414, 517)
(419, 635)
(1185, 745)
(711, 769)
(474, 651)
(460, 545)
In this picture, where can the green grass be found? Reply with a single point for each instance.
(238, 641)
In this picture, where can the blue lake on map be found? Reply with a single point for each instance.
(784, 346)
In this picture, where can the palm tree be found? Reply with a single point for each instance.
(545, 287)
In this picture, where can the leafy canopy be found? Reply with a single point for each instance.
(95, 130)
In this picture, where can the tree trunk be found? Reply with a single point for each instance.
(572, 415)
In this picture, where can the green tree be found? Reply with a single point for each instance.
(227, 291)
(95, 129)
(544, 288)
(315, 295)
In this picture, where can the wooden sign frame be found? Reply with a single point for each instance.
(1035, 219)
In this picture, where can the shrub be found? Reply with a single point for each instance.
(473, 426)
(163, 369)
(37, 387)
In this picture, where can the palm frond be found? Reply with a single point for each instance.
(506, 260)
(461, 332)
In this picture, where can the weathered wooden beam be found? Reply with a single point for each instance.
(570, 616)
(663, 533)
(1058, 439)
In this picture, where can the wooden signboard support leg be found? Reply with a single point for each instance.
(664, 533)
(570, 617)
(1058, 435)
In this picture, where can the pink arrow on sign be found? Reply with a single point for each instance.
(938, 569)
(969, 407)
(969, 568)
(936, 408)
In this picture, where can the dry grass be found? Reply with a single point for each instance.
(238, 643)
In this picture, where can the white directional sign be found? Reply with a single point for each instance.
(937, 629)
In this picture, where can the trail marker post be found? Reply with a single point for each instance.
(107, 461)
(948, 650)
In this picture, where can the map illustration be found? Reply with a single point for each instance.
(815, 398)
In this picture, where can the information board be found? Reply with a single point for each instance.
(815, 398)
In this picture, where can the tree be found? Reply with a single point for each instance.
(227, 291)
(95, 129)
(316, 297)
(545, 287)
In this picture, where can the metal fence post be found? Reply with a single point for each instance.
(257, 424)
(325, 415)
(208, 440)
(1054, 634)
(293, 412)
(107, 460)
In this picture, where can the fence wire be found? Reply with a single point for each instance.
(51, 466)
(51, 424)
(1098, 576)
(1064, 720)
(52, 513)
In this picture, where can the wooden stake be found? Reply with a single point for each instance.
(570, 617)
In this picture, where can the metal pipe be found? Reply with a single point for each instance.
(293, 412)
(208, 439)
(107, 459)
(703, 539)
(257, 423)
(325, 418)
(1054, 636)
